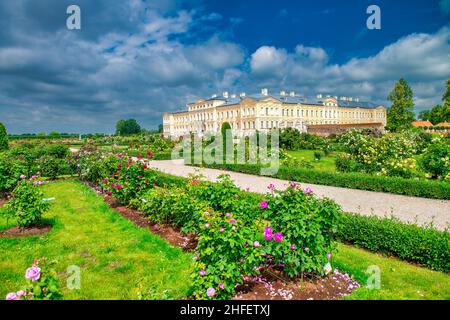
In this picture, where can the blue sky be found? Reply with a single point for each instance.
(142, 58)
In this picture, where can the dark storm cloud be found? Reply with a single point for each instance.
(142, 58)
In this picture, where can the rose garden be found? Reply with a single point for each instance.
(99, 207)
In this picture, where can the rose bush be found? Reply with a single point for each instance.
(300, 230)
(42, 283)
(26, 204)
(227, 251)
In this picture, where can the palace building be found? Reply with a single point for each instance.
(264, 111)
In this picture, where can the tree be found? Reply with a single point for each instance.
(125, 127)
(3, 137)
(401, 113)
(54, 134)
(160, 128)
(446, 96)
(424, 115)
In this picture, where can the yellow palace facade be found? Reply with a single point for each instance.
(264, 112)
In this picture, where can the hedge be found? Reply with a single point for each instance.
(426, 246)
(410, 187)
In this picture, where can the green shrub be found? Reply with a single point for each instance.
(436, 158)
(3, 138)
(173, 206)
(317, 155)
(26, 204)
(52, 167)
(10, 171)
(42, 282)
(226, 251)
(426, 246)
(306, 226)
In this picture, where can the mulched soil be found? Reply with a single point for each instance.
(17, 232)
(270, 285)
(187, 242)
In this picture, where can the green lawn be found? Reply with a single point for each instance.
(117, 258)
(399, 280)
(326, 163)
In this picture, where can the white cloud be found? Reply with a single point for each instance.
(423, 59)
(269, 61)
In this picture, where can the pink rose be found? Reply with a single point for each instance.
(210, 292)
(221, 229)
(256, 243)
(22, 176)
(20, 293)
(109, 193)
(328, 256)
(292, 246)
(263, 204)
(278, 237)
(118, 186)
(202, 272)
(33, 273)
(11, 296)
(306, 249)
(293, 184)
(222, 286)
(232, 221)
(308, 190)
(271, 187)
(228, 214)
(207, 225)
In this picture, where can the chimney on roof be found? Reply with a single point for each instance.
(357, 99)
(264, 92)
(242, 95)
(350, 98)
(233, 96)
(292, 93)
(214, 96)
(319, 96)
(282, 93)
(225, 94)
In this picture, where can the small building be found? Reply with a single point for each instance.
(421, 123)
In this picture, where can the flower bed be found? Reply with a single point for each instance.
(232, 226)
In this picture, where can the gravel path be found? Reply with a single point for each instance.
(408, 209)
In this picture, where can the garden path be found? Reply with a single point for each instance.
(405, 208)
